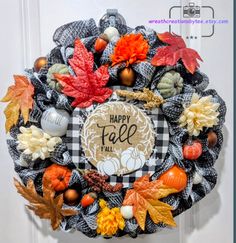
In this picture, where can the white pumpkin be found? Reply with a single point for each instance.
(132, 159)
(108, 166)
(127, 212)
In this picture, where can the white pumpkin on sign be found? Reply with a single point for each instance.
(132, 159)
(108, 166)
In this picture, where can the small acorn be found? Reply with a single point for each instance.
(212, 139)
(111, 33)
(71, 196)
(101, 43)
(39, 63)
(127, 77)
(88, 199)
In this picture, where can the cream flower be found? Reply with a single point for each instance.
(201, 112)
(33, 141)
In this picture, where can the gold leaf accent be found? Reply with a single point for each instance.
(152, 100)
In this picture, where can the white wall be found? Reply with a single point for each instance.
(26, 32)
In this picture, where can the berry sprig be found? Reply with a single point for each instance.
(98, 183)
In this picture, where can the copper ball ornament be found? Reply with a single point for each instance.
(127, 77)
(212, 139)
(71, 196)
(39, 63)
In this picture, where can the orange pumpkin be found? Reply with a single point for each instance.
(192, 150)
(58, 175)
(175, 177)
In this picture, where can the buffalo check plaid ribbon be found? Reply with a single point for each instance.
(160, 128)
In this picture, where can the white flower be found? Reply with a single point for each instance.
(201, 112)
(33, 141)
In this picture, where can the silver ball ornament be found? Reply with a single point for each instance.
(55, 122)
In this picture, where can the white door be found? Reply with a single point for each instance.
(27, 27)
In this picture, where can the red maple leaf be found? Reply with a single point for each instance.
(87, 86)
(176, 50)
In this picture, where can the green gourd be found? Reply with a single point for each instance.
(170, 84)
(59, 69)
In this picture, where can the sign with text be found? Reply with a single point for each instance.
(118, 132)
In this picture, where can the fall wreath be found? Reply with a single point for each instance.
(114, 132)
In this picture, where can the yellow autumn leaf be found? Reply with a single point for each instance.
(20, 101)
(144, 197)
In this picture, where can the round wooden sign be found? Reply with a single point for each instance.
(117, 138)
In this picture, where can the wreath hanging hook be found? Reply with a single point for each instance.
(111, 19)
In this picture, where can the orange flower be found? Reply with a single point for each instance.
(131, 49)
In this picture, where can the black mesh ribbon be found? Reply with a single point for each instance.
(147, 76)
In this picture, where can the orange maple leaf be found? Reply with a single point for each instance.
(21, 102)
(144, 198)
(46, 206)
